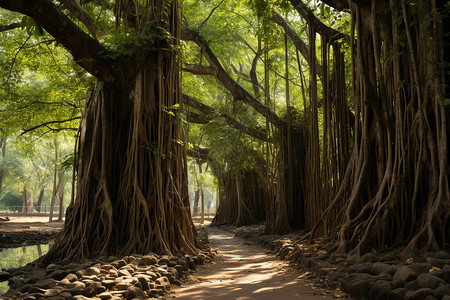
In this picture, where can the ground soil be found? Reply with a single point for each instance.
(243, 270)
(20, 224)
(23, 231)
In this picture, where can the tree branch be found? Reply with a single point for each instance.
(299, 44)
(10, 26)
(228, 82)
(84, 49)
(324, 30)
(208, 110)
(48, 123)
(81, 15)
(199, 70)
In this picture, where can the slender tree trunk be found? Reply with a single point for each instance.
(41, 196)
(196, 198)
(3, 153)
(25, 202)
(55, 194)
(61, 202)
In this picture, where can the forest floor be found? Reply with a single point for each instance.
(243, 270)
(24, 231)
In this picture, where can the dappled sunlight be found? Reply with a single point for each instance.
(243, 271)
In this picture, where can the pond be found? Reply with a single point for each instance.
(16, 257)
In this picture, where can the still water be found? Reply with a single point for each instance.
(16, 257)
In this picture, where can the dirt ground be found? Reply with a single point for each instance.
(245, 271)
(19, 224)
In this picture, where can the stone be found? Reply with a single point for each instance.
(52, 292)
(108, 283)
(446, 297)
(123, 272)
(349, 279)
(397, 294)
(122, 286)
(4, 276)
(359, 288)
(107, 267)
(421, 267)
(446, 274)
(426, 280)
(144, 283)
(442, 290)
(71, 277)
(90, 290)
(51, 267)
(15, 283)
(380, 290)
(134, 292)
(403, 275)
(64, 282)
(80, 273)
(442, 255)
(369, 257)
(105, 296)
(92, 271)
(58, 274)
(66, 295)
(118, 263)
(163, 283)
(151, 274)
(419, 294)
(381, 268)
(430, 297)
(75, 284)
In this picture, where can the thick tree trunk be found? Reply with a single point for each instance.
(132, 193)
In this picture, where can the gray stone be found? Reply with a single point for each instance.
(45, 283)
(359, 288)
(397, 294)
(380, 290)
(421, 267)
(134, 292)
(446, 297)
(403, 275)
(369, 257)
(58, 274)
(442, 290)
(426, 280)
(430, 297)
(15, 283)
(412, 285)
(438, 262)
(419, 294)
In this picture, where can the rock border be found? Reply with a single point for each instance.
(373, 276)
(130, 277)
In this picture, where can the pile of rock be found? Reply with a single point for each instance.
(130, 277)
(372, 276)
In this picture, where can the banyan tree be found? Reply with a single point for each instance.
(131, 191)
(395, 189)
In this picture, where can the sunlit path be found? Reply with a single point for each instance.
(242, 271)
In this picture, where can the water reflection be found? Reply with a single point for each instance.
(16, 257)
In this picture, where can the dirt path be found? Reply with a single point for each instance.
(244, 271)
